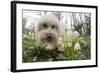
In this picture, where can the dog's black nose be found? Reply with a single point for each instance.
(49, 36)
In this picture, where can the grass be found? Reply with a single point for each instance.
(86, 50)
(32, 52)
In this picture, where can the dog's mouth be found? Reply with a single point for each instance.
(49, 39)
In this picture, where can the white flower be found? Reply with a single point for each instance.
(80, 39)
(84, 43)
(70, 35)
(65, 34)
(77, 47)
(69, 44)
(60, 39)
(76, 34)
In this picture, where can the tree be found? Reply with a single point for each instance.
(24, 20)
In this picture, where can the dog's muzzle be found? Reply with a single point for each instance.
(49, 37)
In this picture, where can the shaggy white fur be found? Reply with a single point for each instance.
(47, 31)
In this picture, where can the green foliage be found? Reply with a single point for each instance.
(33, 52)
(86, 48)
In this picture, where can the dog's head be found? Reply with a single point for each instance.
(47, 29)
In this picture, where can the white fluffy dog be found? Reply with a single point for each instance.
(47, 32)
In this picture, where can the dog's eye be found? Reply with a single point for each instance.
(45, 25)
(53, 26)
